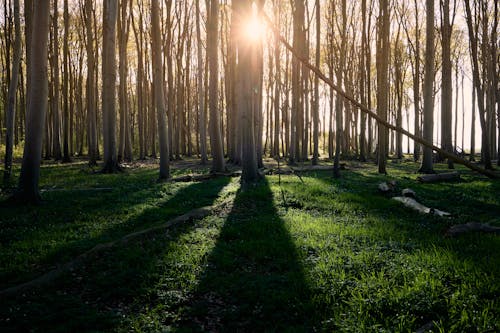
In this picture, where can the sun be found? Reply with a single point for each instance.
(254, 28)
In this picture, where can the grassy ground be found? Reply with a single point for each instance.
(318, 255)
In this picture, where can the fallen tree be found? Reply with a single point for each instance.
(373, 114)
(438, 177)
(415, 205)
(472, 227)
(195, 214)
(203, 177)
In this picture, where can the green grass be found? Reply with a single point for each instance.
(324, 255)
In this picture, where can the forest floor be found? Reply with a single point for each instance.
(298, 254)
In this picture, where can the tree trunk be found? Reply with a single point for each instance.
(201, 90)
(446, 86)
(218, 164)
(156, 48)
(316, 88)
(383, 54)
(11, 98)
(56, 123)
(91, 110)
(109, 86)
(37, 106)
(66, 78)
(426, 166)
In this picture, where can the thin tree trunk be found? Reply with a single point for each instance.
(66, 78)
(316, 88)
(426, 166)
(11, 98)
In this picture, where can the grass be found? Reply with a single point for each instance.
(322, 255)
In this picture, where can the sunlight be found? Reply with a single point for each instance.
(254, 28)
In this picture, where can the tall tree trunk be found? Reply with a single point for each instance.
(316, 87)
(383, 54)
(446, 86)
(11, 98)
(66, 78)
(416, 85)
(339, 101)
(56, 123)
(201, 90)
(244, 77)
(218, 164)
(485, 146)
(362, 87)
(91, 109)
(156, 48)
(109, 86)
(426, 166)
(37, 106)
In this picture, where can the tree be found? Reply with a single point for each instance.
(109, 86)
(244, 77)
(383, 51)
(218, 164)
(56, 123)
(91, 109)
(37, 106)
(201, 90)
(66, 78)
(426, 166)
(446, 87)
(11, 98)
(159, 90)
(316, 87)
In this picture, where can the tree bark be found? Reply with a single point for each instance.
(426, 166)
(11, 98)
(37, 106)
(218, 163)
(383, 54)
(159, 90)
(109, 86)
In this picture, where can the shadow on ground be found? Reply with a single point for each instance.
(254, 279)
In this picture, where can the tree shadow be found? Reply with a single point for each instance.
(254, 280)
(96, 295)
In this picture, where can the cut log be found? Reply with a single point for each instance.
(439, 177)
(414, 204)
(472, 226)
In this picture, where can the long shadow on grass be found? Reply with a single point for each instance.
(254, 280)
(117, 281)
(73, 222)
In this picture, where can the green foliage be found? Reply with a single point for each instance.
(327, 254)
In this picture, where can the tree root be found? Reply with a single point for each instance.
(193, 215)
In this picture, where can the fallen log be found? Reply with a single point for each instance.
(95, 189)
(415, 205)
(204, 177)
(371, 113)
(438, 177)
(472, 227)
(195, 214)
